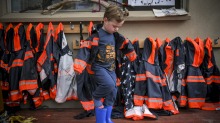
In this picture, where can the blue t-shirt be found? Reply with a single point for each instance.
(106, 50)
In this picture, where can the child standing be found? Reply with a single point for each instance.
(99, 52)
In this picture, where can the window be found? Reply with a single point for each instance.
(21, 6)
(133, 5)
(39, 5)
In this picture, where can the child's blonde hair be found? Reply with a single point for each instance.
(116, 13)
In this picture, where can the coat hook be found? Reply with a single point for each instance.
(71, 26)
(81, 26)
(216, 40)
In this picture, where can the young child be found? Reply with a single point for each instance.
(99, 52)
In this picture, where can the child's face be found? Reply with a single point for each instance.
(112, 25)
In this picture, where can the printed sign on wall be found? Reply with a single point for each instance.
(151, 2)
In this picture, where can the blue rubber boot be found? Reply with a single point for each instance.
(100, 115)
(108, 114)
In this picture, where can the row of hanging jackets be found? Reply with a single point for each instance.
(157, 79)
(163, 74)
(201, 85)
(35, 68)
(170, 75)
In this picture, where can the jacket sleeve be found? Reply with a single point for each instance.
(125, 46)
(83, 55)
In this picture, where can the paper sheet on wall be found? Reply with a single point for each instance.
(151, 2)
(169, 12)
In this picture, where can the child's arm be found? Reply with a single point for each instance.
(83, 55)
(125, 46)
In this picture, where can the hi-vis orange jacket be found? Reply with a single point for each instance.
(211, 74)
(126, 72)
(8, 39)
(21, 61)
(150, 85)
(3, 66)
(47, 65)
(2, 36)
(66, 84)
(88, 50)
(33, 38)
(173, 64)
(194, 88)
